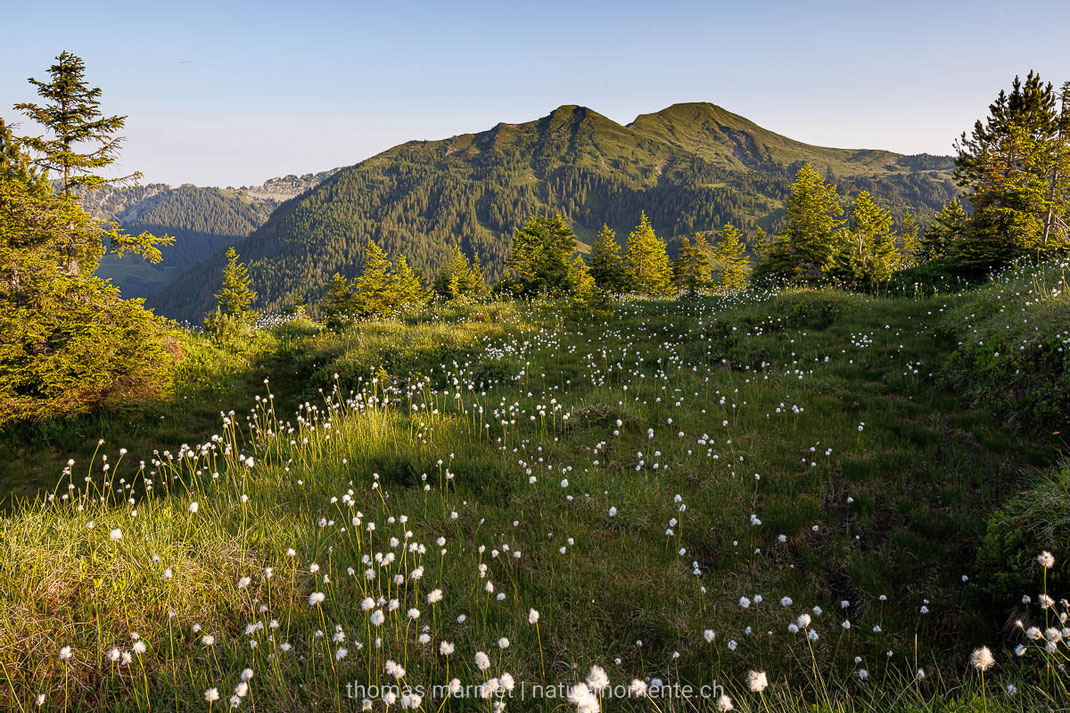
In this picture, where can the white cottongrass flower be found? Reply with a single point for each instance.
(1046, 559)
(65, 654)
(757, 681)
(194, 507)
(637, 687)
(597, 678)
(582, 697)
(316, 598)
(211, 695)
(724, 704)
(982, 659)
(533, 616)
(503, 643)
(482, 661)
(115, 534)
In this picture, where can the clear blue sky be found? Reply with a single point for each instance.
(229, 93)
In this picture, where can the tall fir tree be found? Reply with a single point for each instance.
(374, 289)
(408, 294)
(868, 253)
(235, 298)
(71, 114)
(946, 228)
(69, 342)
(810, 243)
(730, 257)
(646, 260)
(606, 264)
(542, 251)
(691, 271)
(460, 279)
(760, 244)
(338, 306)
(813, 215)
(909, 242)
(71, 118)
(1006, 166)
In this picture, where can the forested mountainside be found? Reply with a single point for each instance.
(203, 220)
(691, 167)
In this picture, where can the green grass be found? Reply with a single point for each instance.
(602, 468)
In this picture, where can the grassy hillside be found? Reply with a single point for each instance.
(672, 486)
(691, 167)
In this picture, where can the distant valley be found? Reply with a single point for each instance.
(203, 220)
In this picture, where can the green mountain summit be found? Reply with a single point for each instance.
(691, 167)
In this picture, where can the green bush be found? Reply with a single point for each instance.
(1035, 520)
(1012, 346)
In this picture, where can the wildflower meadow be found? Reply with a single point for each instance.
(770, 501)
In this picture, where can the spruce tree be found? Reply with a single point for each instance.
(408, 293)
(946, 229)
(646, 260)
(868, 253)
(476, 284)
(583, 286)
(235, 298)
(68, 341)
(338, 305)
(691, 271)
(542, 251)
(760, 244)
(909, 242)
(71, 114)
(460, 280)
(1009, 167)
(731, 257)
(606, 265)
(374, 290)
(813, 219)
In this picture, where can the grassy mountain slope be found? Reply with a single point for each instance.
(691, 167)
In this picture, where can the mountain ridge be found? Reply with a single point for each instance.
(691, 166)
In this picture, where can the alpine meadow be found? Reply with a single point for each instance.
(677, 415)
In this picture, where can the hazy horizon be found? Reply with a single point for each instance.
(233, 95)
